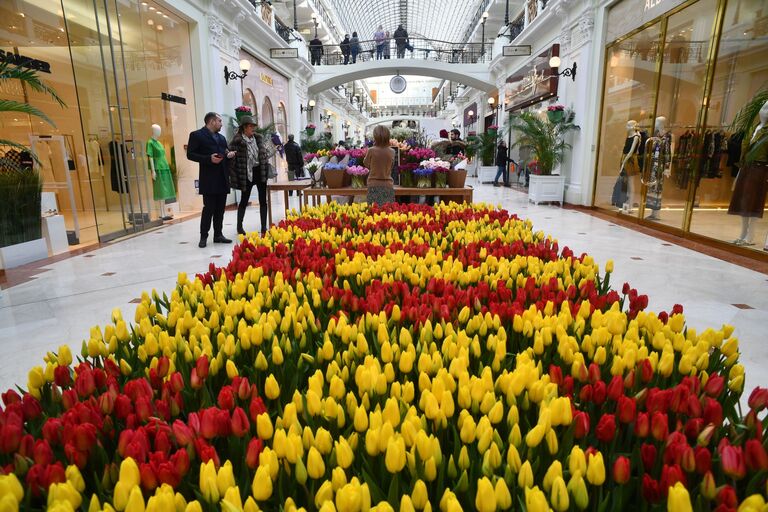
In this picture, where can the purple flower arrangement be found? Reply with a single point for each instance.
(358, 173)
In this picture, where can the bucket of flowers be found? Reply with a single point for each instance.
(334, 174)
(439, 169)
(423, 177)
(310, 129)
(242, 110)
(493, 129)
(406, 174)
(359, 175)
(555, 113)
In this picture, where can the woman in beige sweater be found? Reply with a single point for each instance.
(378, 160)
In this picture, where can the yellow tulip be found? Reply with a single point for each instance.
(596, 469)
(503, 496)
(578, 489)
(271, 388)
(406, 504)
(525, 477)
(324, 494)
(10, 486)
(135, 501)
(225, 479)
(419, 495)
(535, 500)
(395, 455)
(208, 486)
(231, 369)
(315, 464)
(679, 500)
(323, 441)
(344, 454)
(262, 483)
(485, 499)
(559, 496)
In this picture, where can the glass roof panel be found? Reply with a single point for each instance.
(444, 20)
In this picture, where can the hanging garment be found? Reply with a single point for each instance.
(117, 150)
(660, 155)
(734, 152)
(632, 165)
(163, 184)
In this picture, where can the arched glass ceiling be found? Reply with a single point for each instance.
(444, 20)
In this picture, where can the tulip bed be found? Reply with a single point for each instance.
(403, 357)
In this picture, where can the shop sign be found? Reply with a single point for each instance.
(516, 50)
(626, 16)
(533, 83)
(284, 53)
(266, 79)
(175, 99)
(25, 62)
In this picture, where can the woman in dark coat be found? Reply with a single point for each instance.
(249, 167)
(345, 48)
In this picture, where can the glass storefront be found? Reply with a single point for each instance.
(120, 68)
(672, 88)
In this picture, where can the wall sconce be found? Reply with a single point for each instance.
(471, 116)
(492, 104)
(325, 118)
(308, 108)
(554, 63)
(245, 66)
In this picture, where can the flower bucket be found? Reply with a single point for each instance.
(239, 115)
(441, 179)
(492, 132)
(457, 178)
(555, 116)
(358, 181)
(424, 182)
(310, 131)
(406, 178)
(334, 178)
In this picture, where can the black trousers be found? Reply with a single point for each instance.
(213, 208)
(263, 205)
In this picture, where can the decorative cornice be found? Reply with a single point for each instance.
(216, 30)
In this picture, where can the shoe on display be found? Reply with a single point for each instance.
(221, 240)
(203, 243)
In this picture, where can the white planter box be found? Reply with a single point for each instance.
(546, 189)
(55, 234)
(20, 254)
(486, 173)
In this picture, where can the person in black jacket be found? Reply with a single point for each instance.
(345, 48)
(316, 51)
(249, 168)
(401, 41)
(208, 147)
(502, 161)
(354, 46)
(294, 158)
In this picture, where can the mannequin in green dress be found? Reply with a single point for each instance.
(161, 172)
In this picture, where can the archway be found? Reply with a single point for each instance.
(250, 100)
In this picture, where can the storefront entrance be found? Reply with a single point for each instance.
(668, 154)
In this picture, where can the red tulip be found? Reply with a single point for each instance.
(167, 474)
(688, 459)
(646, 371)
(755, 455)
(594, 372)
(243, 389)
(621, 470)
(255, 446)
(599, 392)
(195, 382)
(256, 408)
(163, 443)
(585, 393)
(693, 428)
(206, 452)
(648, 456)
(143, 408)
(182, 432)
(163, 365)
(695, 409)
(12, 397)
(580, 425)
(31, 407)
(226, 398)
(606, 428)
(703, 460)
(713, 412)
(616, 388)
(727, 496)
(715, 385)
(180, 461)
(758, 399)
(208, 423)
(629, 380)
(626, 409)
(651, 491)
(163, 409)
(26, 446)
(52, 430)
(69, 399)
(77, 457)
(659, 426)
(202, 366)
(177, 382)
(148, 477)
(123, 407)
(642, 425)
(670, 475)
(42, 453)
(732, 460)
(85, 384)
(240, 424)
(567, 387)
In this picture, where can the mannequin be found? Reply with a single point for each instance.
(161, 172)
(658, 158)
(629, 164)
(751, 187)
(95, 157)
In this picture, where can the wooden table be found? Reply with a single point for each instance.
(464, 194)
(286, 186)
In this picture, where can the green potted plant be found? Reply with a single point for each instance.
(746, 120)
(21, 186)
(484, 146)
(310, 129)
(546, 141)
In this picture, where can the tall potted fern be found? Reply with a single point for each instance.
(21, 187)
(545, 139)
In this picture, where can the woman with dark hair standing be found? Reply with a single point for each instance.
(379, 160)
(354, 46)
(249, 167)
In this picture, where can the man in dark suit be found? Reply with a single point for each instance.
(209, 148)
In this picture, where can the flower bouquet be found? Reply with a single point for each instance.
(441, 176)
(310, 129)
(359, 175)
(493, 129)
(406, 174)
(334, 174)
(555, 113)
(243, 110)
(423, 177)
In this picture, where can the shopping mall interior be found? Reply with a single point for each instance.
(631, 134)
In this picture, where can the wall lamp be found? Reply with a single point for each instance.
(245, 66)
(554, 63)
(471, 116)
(492, 104)
(308, 108)
(325, 118)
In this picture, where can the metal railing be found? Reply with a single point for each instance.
(283, 30)
(414, 49)
(516, 27)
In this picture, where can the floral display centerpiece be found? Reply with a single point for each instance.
(406, 174)
(493, 129)
(359, 175)
(243, 110)
(440, 169)
(423, 176)
(334, 174)
(555, 113)
(310, 129)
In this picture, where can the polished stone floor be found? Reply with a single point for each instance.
(61, 303)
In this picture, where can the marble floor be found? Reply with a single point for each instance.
(67, 297)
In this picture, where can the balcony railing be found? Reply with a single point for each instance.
(416, 49)
(283, 30)
(516, 27)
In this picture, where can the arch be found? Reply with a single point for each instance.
(267, 114)
(388, 120)
(281, 123)
(250, 100)
(472, 75)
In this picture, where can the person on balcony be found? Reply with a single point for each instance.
(316, 51)
(379, 37)
(345, 48)
(387, 40)
(354, 46)
(401, 41)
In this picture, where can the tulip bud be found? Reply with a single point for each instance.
(485, 499)
(578, 489)
(708, 486)
(262, 483)
(621, 470)
(596, 469)
(559, 495)
(525, 477)
(679, 499)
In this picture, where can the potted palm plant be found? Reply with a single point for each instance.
(485, 148)
(545, 139)
(21, 185)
